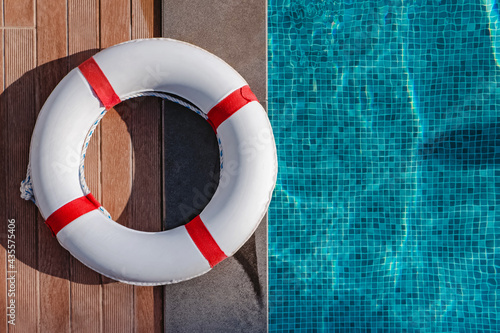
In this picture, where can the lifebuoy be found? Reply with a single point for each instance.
(248, 165)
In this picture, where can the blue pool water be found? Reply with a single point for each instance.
(387, 124)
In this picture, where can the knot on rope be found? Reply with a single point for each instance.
(27, 187)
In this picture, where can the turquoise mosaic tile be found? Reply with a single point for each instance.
(387, 124)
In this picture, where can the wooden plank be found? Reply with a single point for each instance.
(19, 13)
(83, 30)
(143, 19)
(115, 22)
(51, 37)
(53, 260)
(146, 139)
(86, 291)
(2, 55)
(117, 310)
(116, 146)
(149, 309)
(19, 103)
(4, 214)
(116, 166)
(233, 296)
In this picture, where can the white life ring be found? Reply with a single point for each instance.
(248, 173)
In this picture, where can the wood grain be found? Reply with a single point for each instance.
(19, 13)
(116, 163)
(83, 30)
(55, 292)
(51, 20)
(142, 19)
(147, 138)
(115, 22)
(2, 67)
(146, 212)
(4, 214)
(85, 287)
(116, 180)
(52, 62)
(116, 166)
(19, 103)
(86, 290)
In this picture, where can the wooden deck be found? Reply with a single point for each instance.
(41, 41)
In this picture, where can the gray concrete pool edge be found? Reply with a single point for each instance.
(233, 297)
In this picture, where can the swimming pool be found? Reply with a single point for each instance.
(387, 124)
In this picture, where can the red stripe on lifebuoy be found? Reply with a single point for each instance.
(229, 105)
(204, 241)
(70, 212)
(99, 83)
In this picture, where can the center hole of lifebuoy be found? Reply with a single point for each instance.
(191, 157)
(151, 171)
